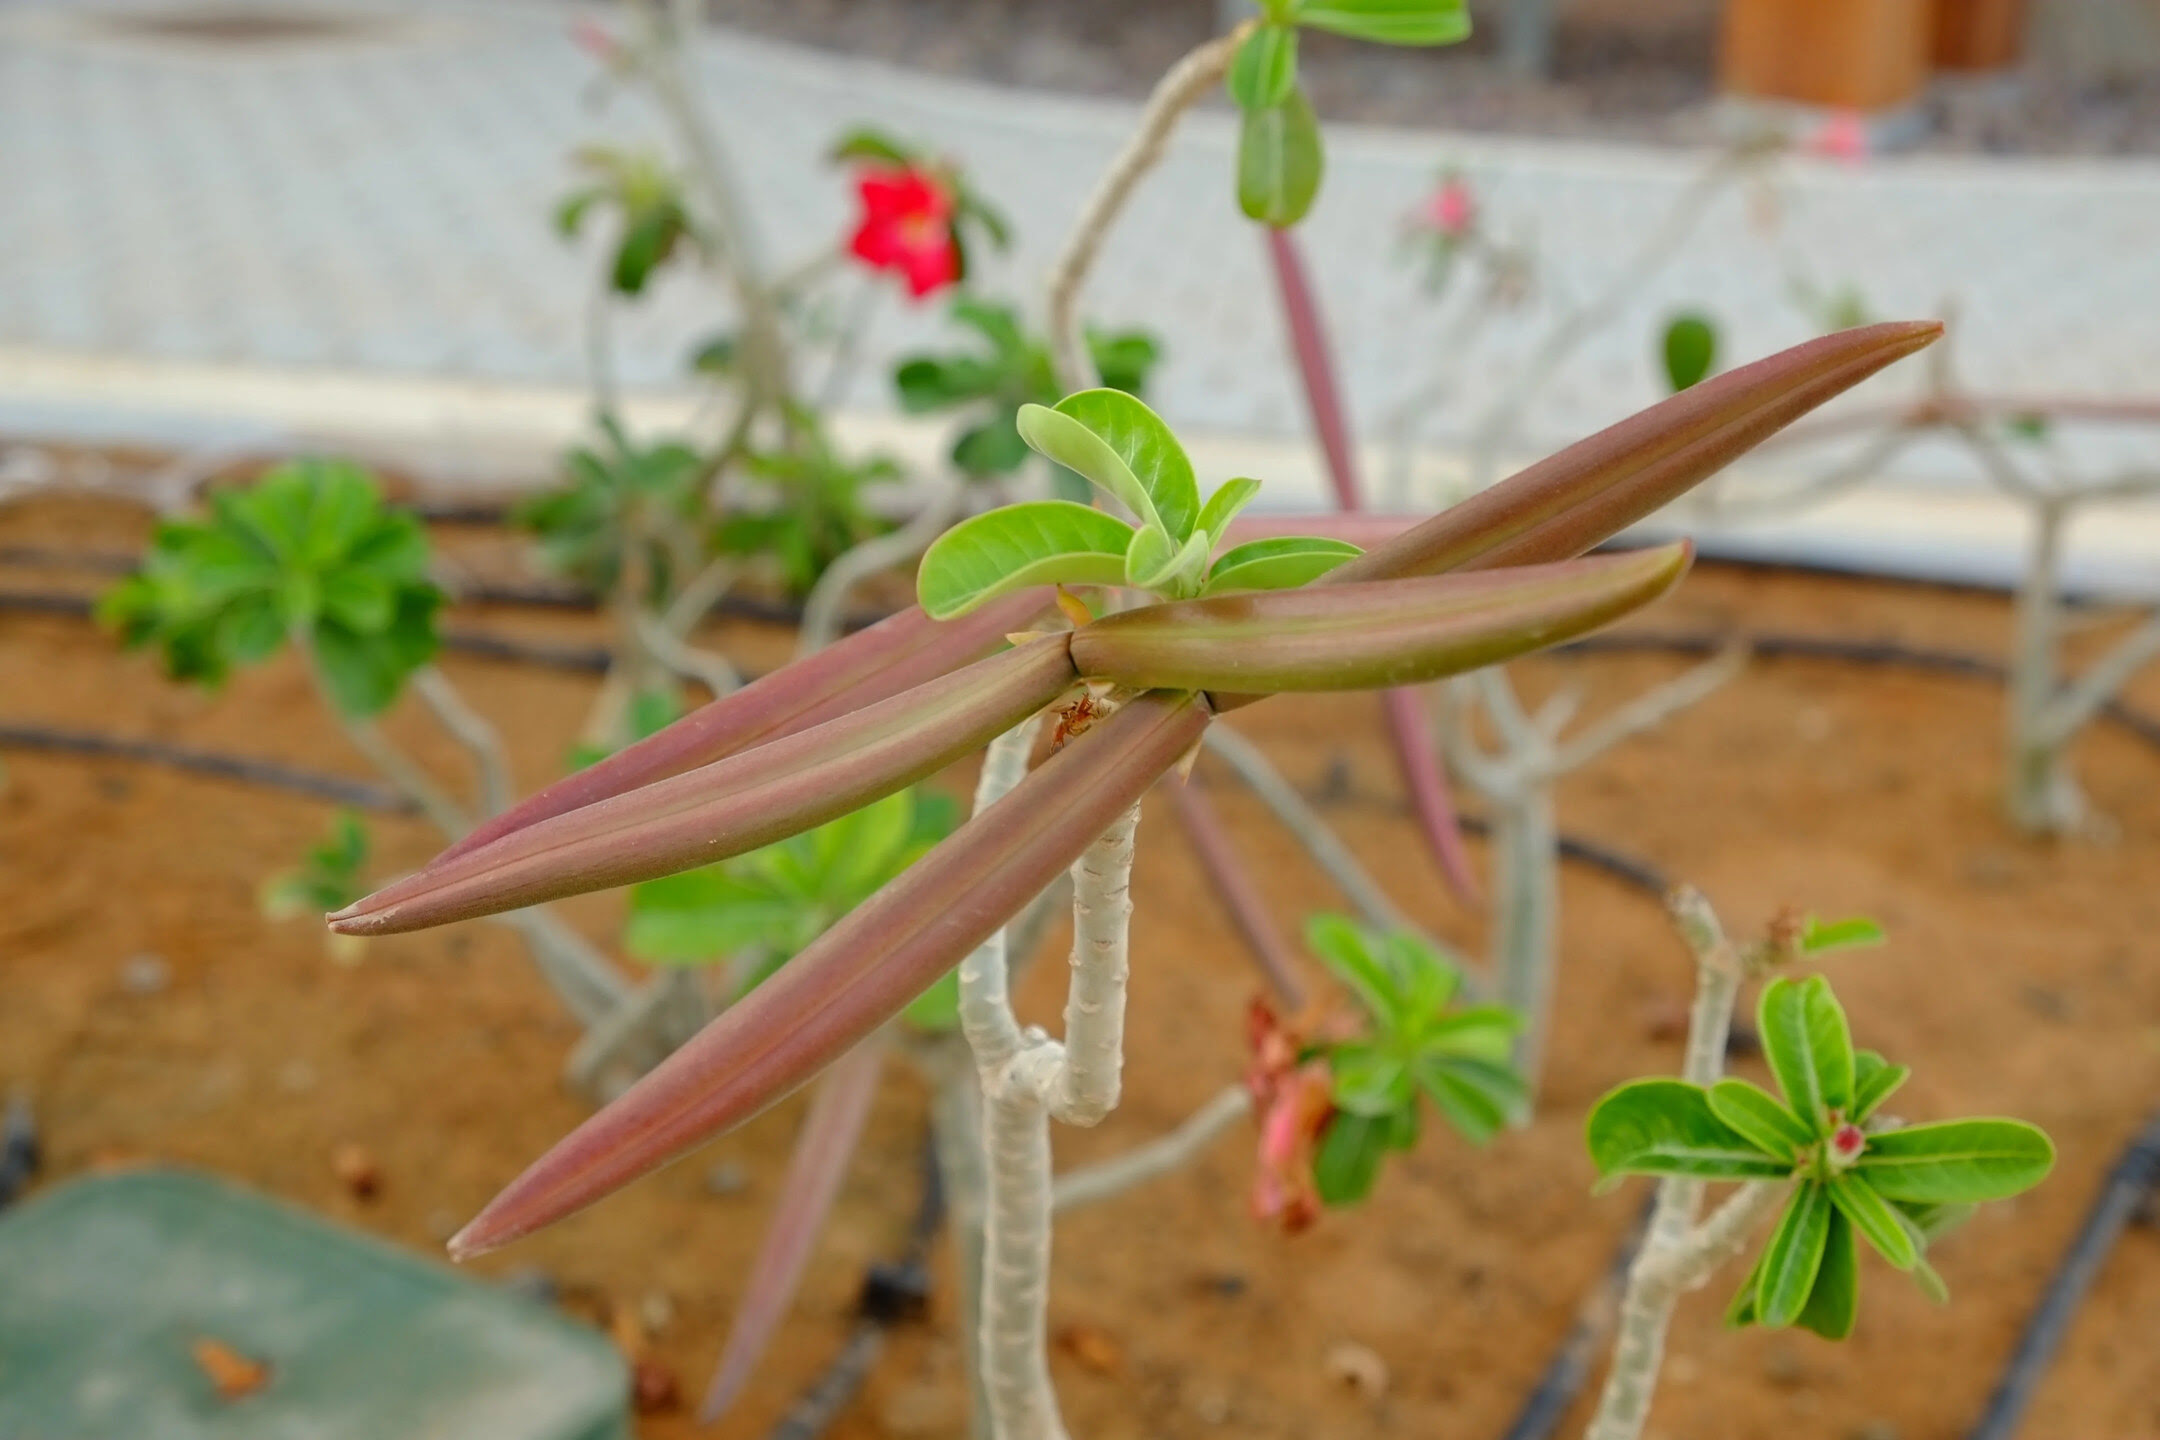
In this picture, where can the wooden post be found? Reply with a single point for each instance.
(1867, 55)
(1978, 34)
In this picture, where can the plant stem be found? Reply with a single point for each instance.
(1177, 92)
(471, 730)
(1646, 1310)
(2042, 797)
(827, 602)
(1157, 1157)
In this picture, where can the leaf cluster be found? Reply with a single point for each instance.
(1418, 1044)
(1279, 152)
(652, 220)
(613, 491)
(1124, 449)
(1008, 369)
(773, 902)
(1854, 1175)
(308, 553)
(329, 878)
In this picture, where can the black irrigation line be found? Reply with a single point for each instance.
(893, 1293)
(2128, 1187)
(1570, 1367)
(360, 794)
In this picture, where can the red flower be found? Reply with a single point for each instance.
(906, 227)
(1294, 1102)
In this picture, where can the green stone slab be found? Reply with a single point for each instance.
(106, 1285)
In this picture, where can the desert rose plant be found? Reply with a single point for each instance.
(1133, 691)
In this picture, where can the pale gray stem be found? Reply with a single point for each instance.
(1157, 1157)
(956, 1128)
(2041, 794)
(1282, 799)
(1177, 91)
(1646, 1309)
(472, 732)
(1718, 1239)
(1016, 1269)
(705, 668)
(1497, 429)
(824, 610)
(986, 1015)
(1526, 913)
(1650, 709)
(2083, 698)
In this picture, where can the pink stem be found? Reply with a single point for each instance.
(1242, 897)
(1427, 782)
(829, 1135)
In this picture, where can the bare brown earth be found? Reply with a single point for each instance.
(2022, 978)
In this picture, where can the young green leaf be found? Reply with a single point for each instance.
(1426, 978)
(1808, 1046)
(1821, 936)
(1060, 438)
(1346, 951)
(1283, 563)
(1740, 1312)
(1470, 1094)
(1793, 1257)
(1148, 450)
(1761, 1116)
(1666, 1127)
(1370, 1081)
(1874, 1081)
(1264, 70)
(1388, 22)
(1956, 1161)
(1835, 1300)
(1223, 506)
(1040, 542)
(1873, 1217)
(1163, 571)
(1279, 162)
(1348, 1160)
(1690, 351)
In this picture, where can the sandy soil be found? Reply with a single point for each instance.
(2022, 978)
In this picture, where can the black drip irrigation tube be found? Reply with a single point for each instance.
(893, 1293)
(2129, 1186)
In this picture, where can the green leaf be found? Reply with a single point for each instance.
(1279, 162)
(1124, 358)
(1425, 978)
(1388, 22)
(868, 143)
(1874, 1081)
(1264, 70)
(1761, 1117)
(1821, 936)
(1691, 344)
(1809, 1048)
(1478, 1096)
(1059, 437)
(1930, 1283)
(991, 448)
(717, 355)
(937, 1009)
(1349, 1157)
(1223, 506)
(1370, 1081)
(1873, 1217)
(1794, 1256)
(1148, 449)
(1283, 563)
(1042, 542)
(1956, 1161)
(1740, 1312)
(1933, 1221)
(1352, 955)
(1150, 554)
(1666, 1127)
(1835, 1300)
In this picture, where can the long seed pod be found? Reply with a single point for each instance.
(896, 654)
(1370, 636)
(1597, 487)
(733, 805)
(859, 973)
